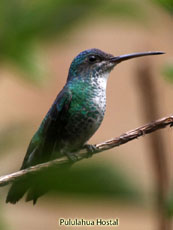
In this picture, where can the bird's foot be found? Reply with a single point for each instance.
(72, 157)
(91, 149)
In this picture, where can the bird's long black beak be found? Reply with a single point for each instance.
(125, 57)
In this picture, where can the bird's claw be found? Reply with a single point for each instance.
(91, 149)
(72, 157)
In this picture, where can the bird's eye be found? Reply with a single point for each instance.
(92, 59)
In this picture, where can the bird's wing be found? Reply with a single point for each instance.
(43, 141)
(41, 145)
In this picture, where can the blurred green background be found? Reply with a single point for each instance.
(38, 40)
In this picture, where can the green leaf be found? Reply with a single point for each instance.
(166, 4)
(24, 24)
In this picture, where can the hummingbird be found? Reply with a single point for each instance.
(75, 115)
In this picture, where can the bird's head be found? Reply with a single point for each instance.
(94, 62)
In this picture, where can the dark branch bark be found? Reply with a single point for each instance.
(149, 98)
(83, 153)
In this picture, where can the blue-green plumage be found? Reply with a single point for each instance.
(75, 115)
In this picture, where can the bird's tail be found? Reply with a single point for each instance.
(16, 192)
(34, 193)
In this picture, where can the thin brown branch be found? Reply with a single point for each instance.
(83, 153)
